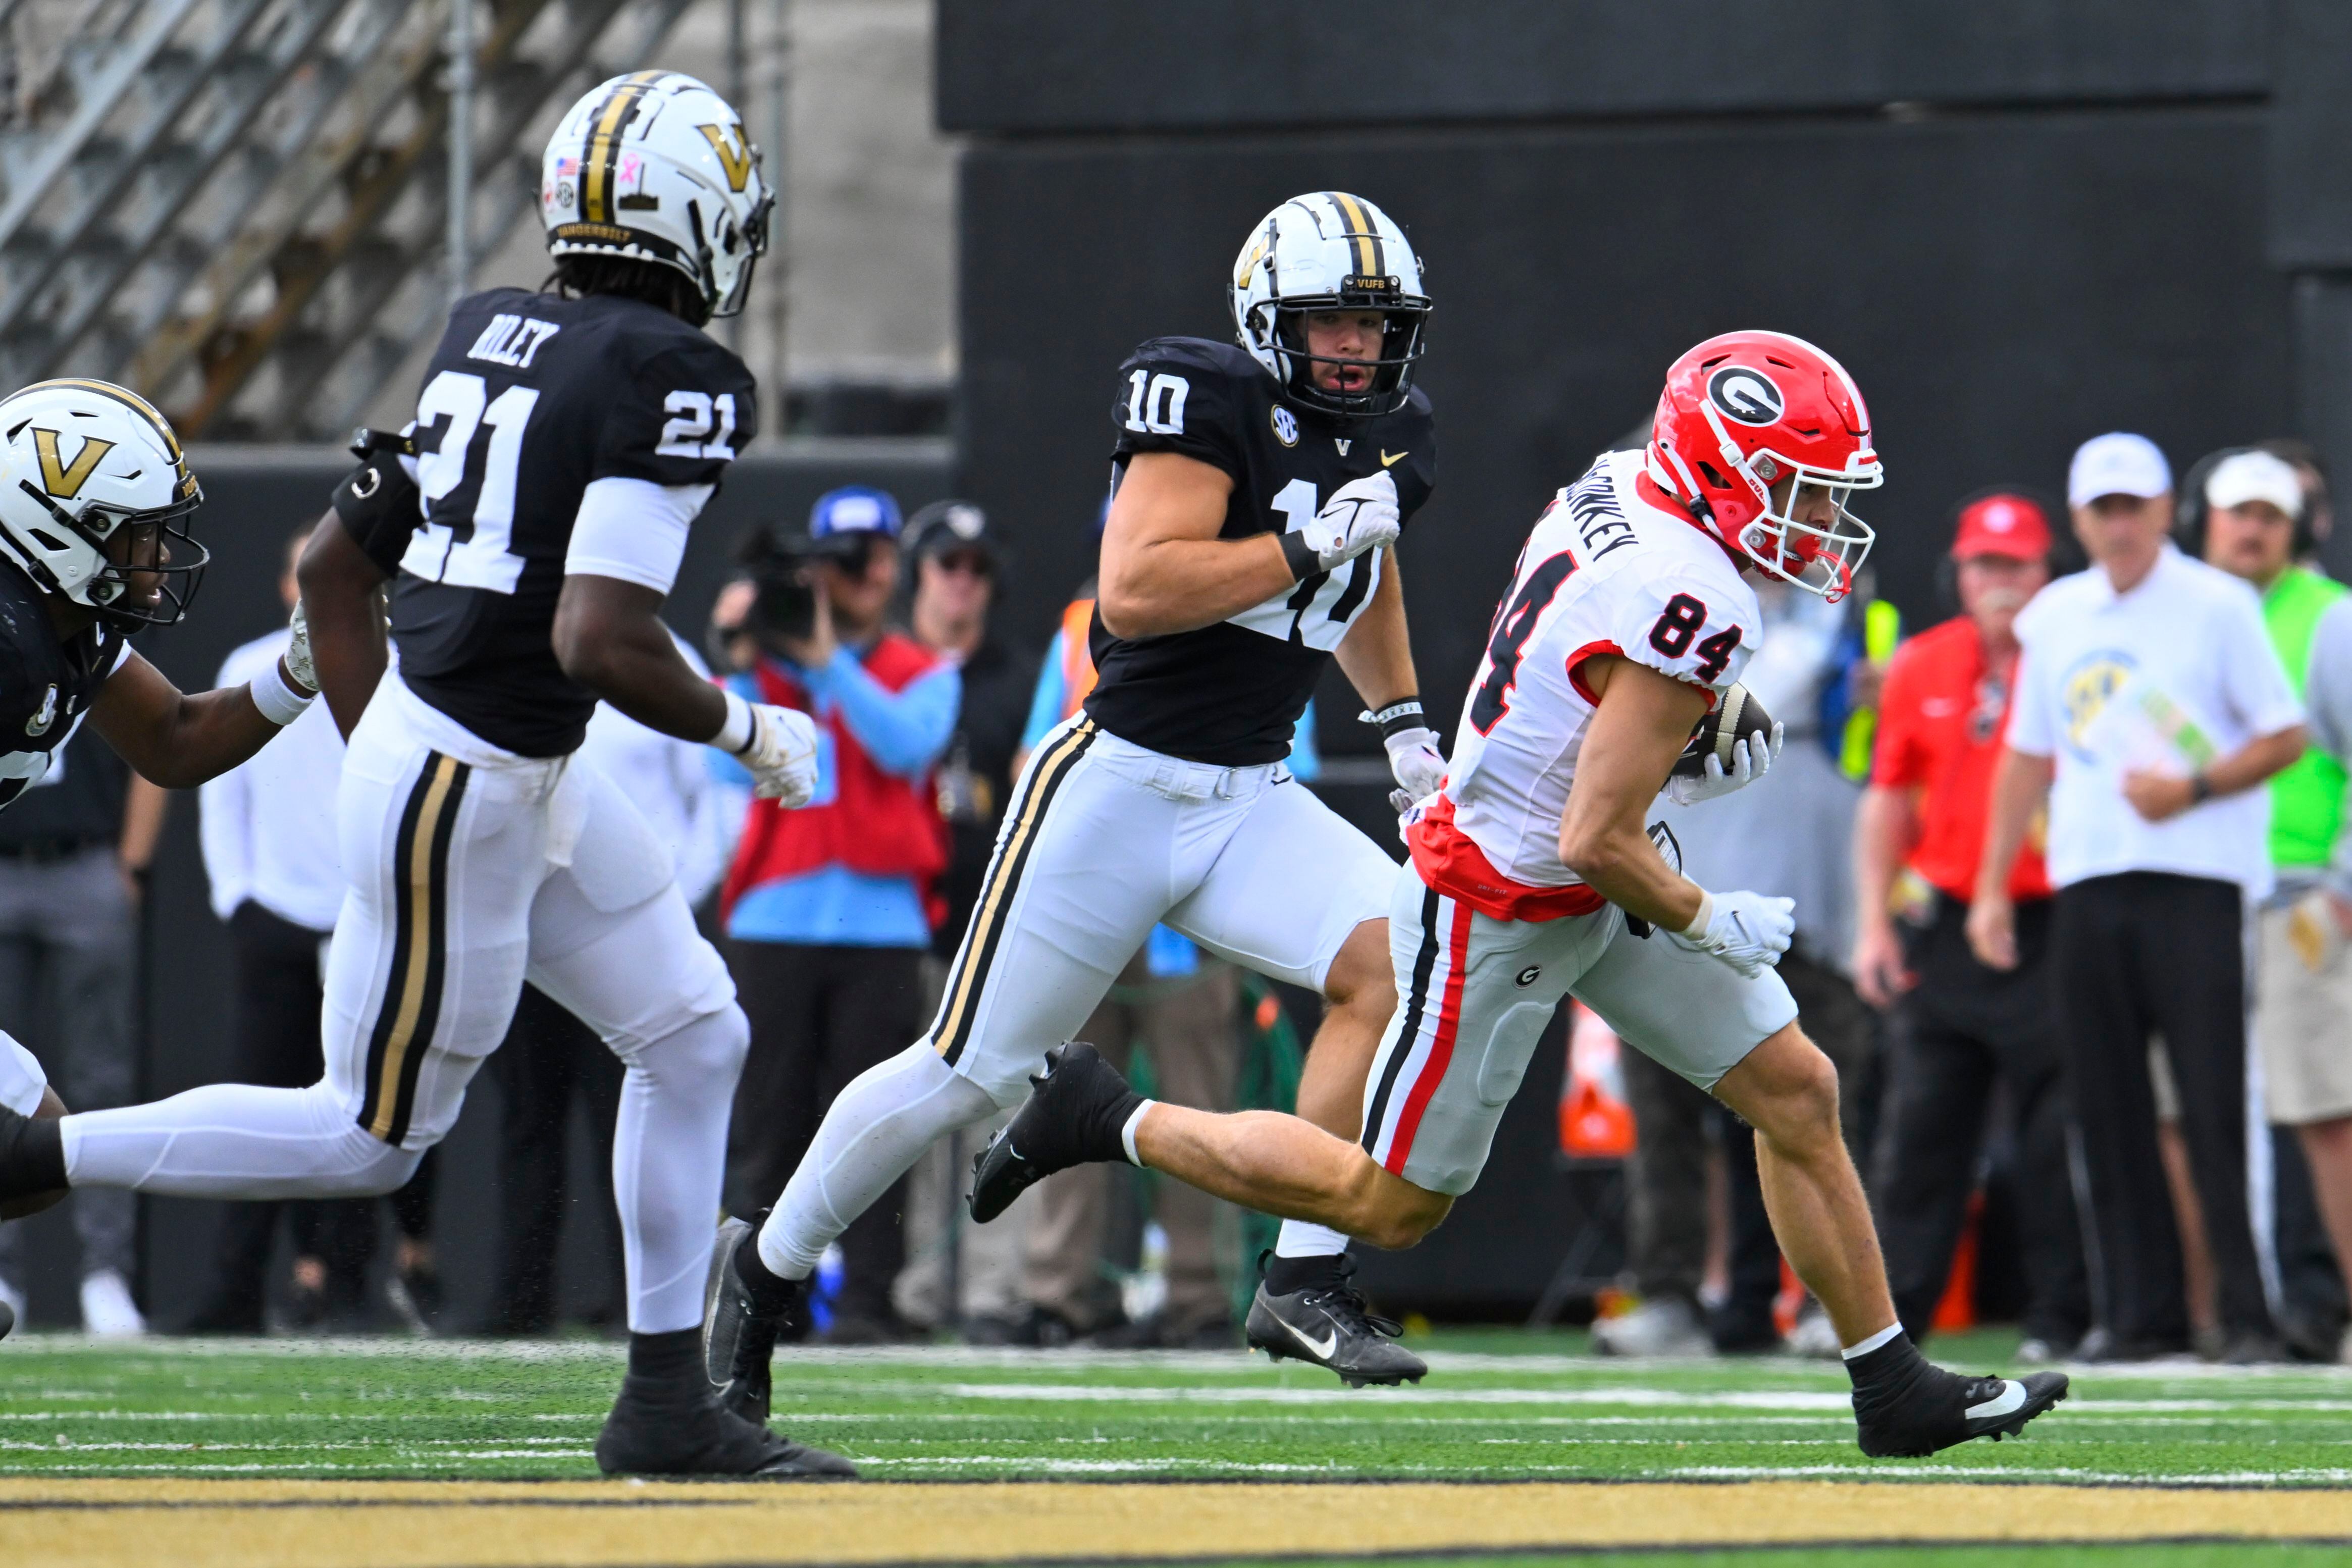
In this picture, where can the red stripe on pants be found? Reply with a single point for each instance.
(1440, 1046)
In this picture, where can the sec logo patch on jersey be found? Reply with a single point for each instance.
(1286, 426)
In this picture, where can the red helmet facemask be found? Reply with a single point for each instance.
(1748, 412)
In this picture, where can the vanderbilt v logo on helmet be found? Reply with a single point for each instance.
(1329, 251)
(655, 167)
(107, 527)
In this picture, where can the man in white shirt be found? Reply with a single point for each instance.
(2150, 707)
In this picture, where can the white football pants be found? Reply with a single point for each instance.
(470, 870)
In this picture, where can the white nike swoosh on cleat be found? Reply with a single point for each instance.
(1322, 1350)
(2012, 1398)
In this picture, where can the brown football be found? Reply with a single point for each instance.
(1735, 716)
(17, 1208)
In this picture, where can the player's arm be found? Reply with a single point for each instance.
(610, 637)
(1164, 570)
(1377, 657)
(342, 600)
(1640, 727)
(178, 740)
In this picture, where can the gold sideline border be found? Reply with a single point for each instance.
(409, 1524)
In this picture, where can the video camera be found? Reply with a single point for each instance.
(781, 567)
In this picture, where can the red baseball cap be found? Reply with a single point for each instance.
(2002, 525)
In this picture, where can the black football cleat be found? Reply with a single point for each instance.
(1075, 1115)
(1330, 1326)
(32, 1163)
(740, 1331)
(1934, 1409)
(7, 1320)
(680, 1430)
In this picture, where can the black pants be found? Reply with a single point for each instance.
(547, 1057)
(1961, 1030)
(2133, 955)
(820, 1016)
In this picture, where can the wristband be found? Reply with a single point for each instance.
(1405, 714)
(2201, 788)
(1697, 930)
(279, 700)
(1300, 556)
(738, 729)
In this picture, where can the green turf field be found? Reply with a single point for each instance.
(1499, 1407)
(1496, 1407)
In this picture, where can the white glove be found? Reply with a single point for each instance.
(1415, 759)
(780, 753)
(1361, 515)
(297, 652)
(1747, 931)
(1751, 760)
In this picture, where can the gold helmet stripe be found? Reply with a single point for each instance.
(597, 164)
(129, 399)
(1366, 238)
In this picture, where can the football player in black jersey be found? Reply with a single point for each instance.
(95, 497)
(565, 442)
(1260, 486)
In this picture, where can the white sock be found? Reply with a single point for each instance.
(879, 1127)
(1126, 1132)
(669, 1153)
(1884, 1336)
(234, 1141)
(1299, 1238)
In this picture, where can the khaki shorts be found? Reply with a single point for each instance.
(2302, 1013)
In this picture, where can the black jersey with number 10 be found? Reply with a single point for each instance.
(531, 398)
(1230, 693)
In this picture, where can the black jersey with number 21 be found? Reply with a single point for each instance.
(1230, 693)
(529, 398)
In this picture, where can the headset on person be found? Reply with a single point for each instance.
(2189, 508)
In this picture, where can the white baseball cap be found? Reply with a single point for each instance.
(2117, 464)
(2254, 475)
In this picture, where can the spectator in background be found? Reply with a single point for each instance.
(548, 1057)
(1790, 834)
(2149, 708)
(1961, 1027)
(267, 830)
(830, 907)
(2256, 524)
(75, 850)
(953, 1270)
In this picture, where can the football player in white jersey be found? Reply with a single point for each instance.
(1533, 878)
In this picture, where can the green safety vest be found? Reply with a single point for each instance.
(2307, 797)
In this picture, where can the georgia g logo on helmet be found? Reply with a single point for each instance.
(1746, 395)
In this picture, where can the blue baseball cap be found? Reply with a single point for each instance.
(855, 509)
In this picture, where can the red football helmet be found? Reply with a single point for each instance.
(1746, 410)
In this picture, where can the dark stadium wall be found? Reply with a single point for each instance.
(254, 499)
(2017, 224)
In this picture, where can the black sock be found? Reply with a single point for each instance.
(1323, 1271)
(34, 1161)
(770, 1291)
(667, 1358)
(1106, 1139)
(1886, 1370)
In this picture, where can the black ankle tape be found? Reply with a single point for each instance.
(37, 1162)
(770, 1291)
(1285, 1275)
(1890, 1362)
(666, 1357)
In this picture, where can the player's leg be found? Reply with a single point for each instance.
(612, 943)
(441, 857)
(1300, 895)
(1737, 1036)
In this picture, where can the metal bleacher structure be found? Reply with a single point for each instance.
(239, 207)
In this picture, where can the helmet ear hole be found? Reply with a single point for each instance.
(48, 541)
(1714, 479)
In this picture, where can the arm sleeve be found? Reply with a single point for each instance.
(634, 530)
(905, 731)
(2327, 688)
(380, 506)
(681, 419)
(2030, 728)
(1173, 398)
(1045, 702)
(2255, 680)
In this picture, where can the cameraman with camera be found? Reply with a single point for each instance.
(830, 907)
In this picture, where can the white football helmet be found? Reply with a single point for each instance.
(94, 492)
(656, 167)
(1328, 250)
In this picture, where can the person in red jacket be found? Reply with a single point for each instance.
(1961, 1026)
(831, 907)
